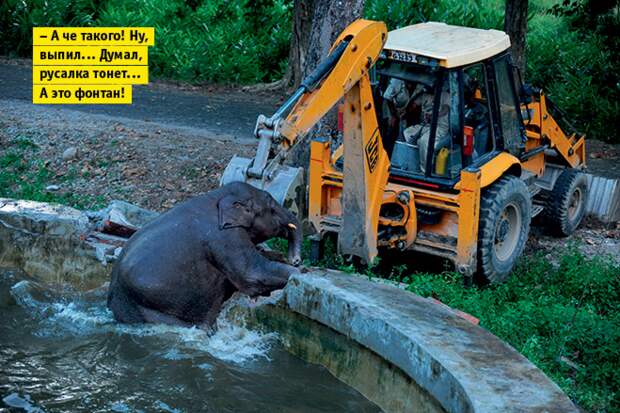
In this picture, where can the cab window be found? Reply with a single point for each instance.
(512, 128)
(414, 113)
(476, 112)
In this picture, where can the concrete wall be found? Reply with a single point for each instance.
(378, 380)
(463, 366)
(407, 351)
(56, 243)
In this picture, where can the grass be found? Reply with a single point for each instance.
(564, 317)
(23, 175)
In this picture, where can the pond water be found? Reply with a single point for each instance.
(62, 351)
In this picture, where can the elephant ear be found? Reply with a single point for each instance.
(234, 212)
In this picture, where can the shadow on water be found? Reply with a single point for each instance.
(60, 350)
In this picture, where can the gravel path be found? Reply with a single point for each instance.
(220, 111)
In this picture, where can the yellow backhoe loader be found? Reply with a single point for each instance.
(442, 149)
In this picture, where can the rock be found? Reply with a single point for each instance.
(135, 215)
(45, 241)
(69, 153)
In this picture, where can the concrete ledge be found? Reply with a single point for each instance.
(375, 378)
(464, 367)
(56, 244)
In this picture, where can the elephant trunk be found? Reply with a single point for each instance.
(295, 238)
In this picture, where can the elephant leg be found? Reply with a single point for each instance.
(157, 317)
(250, 272)
(125, 310)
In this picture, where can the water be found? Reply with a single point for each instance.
(62, 351)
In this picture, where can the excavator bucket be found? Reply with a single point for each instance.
(283, 182)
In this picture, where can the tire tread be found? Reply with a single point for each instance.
(556, 203)
(490, 207)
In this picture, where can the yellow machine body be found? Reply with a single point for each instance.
(356, 199)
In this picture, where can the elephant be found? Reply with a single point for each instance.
(181, 267)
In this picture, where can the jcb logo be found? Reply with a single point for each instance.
(372, 151)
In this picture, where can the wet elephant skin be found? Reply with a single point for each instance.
(182, 266)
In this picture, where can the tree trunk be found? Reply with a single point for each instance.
(515, 24)
(316, 24)
(303, 12)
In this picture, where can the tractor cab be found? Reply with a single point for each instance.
(445, 99)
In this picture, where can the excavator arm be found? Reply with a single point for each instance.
(350, 58)
(344, 74)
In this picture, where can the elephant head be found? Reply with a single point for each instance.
(261, 216)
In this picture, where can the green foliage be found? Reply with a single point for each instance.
(24, 176)
(202, 41)
(564, 318)
(18, 17)
(578, 72)
(474, 13)
(571, 53)
(218, 41)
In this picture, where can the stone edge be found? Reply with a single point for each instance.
(355, 309)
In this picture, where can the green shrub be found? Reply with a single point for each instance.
(574, 69)
(210, 41)
(217, 41)
(18, 17)
(474, 13)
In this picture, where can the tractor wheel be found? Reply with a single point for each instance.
(505, 215)
(566, 203)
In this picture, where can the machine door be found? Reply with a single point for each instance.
(512, 129)
(478, 134)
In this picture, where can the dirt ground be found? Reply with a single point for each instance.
(147, 164)
(603, 158)
(175, 141)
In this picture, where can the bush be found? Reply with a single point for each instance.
(574, 69)
(18, 17)
(474, 13)
(572, 46)
(217, 41)
(202, 41)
